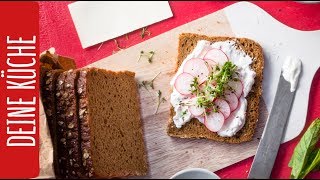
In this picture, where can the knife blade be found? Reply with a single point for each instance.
(272, 135)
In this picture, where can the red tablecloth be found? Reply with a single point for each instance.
(57, 30)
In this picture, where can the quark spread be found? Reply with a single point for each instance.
(237, 118)
(291, 70)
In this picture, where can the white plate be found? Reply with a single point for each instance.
(195, 173)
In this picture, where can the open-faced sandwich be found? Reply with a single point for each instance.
(216, 89)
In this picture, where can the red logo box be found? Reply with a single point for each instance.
(19, 89)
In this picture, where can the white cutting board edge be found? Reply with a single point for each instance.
(278, 41)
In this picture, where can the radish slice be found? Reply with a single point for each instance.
(216, 55)
(223, 107)
(212, 65)
(200, 118)
(197, 68)
(236, 87)
(214, 121)
(183, 82)
(232, 100)
(194, 109)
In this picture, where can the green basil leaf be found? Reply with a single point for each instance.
(303, 150)
(314, 160)
(317, 168)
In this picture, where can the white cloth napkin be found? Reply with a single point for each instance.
(97, 21)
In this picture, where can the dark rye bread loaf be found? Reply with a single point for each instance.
(110, 106)
(66, 63)
(55, 61)
(71, 120)
(48, 96)
(194, 129)
(61, 131)
(50, 61)
(49, 104)
(44, 68)
(84, 125)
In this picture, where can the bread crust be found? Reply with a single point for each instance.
(61, 127)
(84, 125)
(195, 129)
(72, 126)
(49, 104)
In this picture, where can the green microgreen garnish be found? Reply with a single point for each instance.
(117, 46)
(184, 113)
(223, 76)
(146, 83)
(205, 102)
(160, 100)
(149, 55)
(220, 77)
(144, 31)
(195, 86)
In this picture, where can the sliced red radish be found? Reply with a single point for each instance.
(232, 100)
(204, 52)
(214, 121)
(211, 65)
(195, 110)
(216, 55)
(236, 87)
(197, 68)
(200, 118)
(183, 82)
(223, 107)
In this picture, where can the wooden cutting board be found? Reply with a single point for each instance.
(167, 155)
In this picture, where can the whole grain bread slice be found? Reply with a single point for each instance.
(84, 124)
(195, 129)
(110, 117)
(72, 124)
(62, 149)
(49, 103)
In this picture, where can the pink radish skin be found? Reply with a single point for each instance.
(214, 121)
(183, 82)
(200, 118)
(216, 55)
(237, 87)
(197, 68)
(232, 100)
(223, 107)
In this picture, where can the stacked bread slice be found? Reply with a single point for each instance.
(95, 124)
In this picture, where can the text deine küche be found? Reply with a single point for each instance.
(20, 90)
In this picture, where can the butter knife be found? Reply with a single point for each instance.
(272, 135)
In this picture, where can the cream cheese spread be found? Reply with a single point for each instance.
(291, 70)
